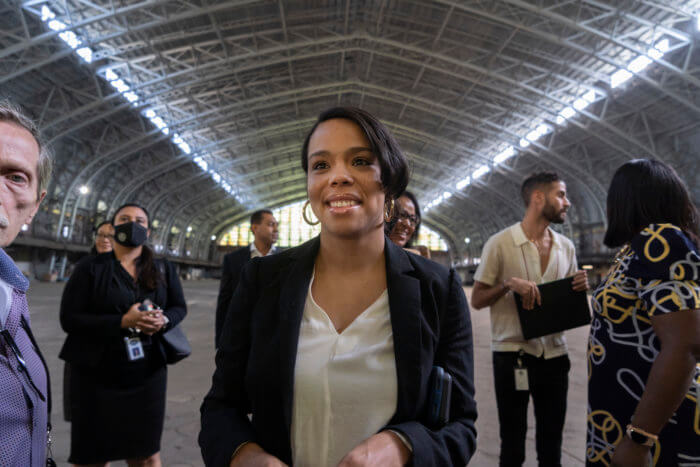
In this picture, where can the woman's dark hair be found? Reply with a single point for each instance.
(101, 224)
(389, 226)
(146, 270)
(93, 250)
(391, 160)
(647, 191)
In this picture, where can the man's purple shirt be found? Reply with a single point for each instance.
(23, 415)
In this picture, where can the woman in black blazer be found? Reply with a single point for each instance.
(354, 168)
(118, 365)
(103, 244)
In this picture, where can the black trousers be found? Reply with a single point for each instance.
(548, 381)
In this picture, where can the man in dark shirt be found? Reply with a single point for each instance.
(264, 227)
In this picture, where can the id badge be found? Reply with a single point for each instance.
(134, 348)
(521, 383)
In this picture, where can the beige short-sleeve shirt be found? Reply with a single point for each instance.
(510, 254)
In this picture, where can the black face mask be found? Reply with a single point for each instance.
(130, 234)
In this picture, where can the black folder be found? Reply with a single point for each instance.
(562, 308)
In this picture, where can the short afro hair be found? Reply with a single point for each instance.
(536, 181)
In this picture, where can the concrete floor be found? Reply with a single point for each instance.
(190, 379)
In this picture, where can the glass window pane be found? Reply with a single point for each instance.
(294, 231)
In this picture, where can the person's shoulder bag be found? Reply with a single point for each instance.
(175, 341)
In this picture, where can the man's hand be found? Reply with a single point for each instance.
(382, 449)
(528, 291)
(580, 281)
(630, 454)
(252, 455)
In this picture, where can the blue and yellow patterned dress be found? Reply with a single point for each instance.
(659, 272)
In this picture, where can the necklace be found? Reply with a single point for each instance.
(539, 243)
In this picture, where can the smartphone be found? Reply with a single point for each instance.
(439, 397)
(148, 305)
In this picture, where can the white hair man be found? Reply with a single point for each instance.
(25, 169)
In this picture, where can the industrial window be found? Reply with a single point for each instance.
(294, 231)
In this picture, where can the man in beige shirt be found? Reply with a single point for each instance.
(513, 261)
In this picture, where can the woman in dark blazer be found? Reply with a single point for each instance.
(351, 282)
(118, 364)
(103, 244)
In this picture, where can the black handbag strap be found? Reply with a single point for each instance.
(160, 264)
(165, 274)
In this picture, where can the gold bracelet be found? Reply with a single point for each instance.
(640, 436)
(238, 449)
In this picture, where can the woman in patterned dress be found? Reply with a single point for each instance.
(644, 346)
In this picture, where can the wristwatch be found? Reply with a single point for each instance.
(640, 436)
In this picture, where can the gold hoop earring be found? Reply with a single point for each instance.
(303, 214)
(389, 213)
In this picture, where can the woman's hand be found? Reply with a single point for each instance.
(252, 455)
(131, 318)
(580, 282)
(151, 322)
(528, 291)
(148, 322)
(382, 449)
(630, 454)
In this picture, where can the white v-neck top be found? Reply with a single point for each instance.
(345, 385)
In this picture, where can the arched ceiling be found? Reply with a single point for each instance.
(240, 82)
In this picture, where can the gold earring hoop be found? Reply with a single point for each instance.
(389, 213)
(303, 214)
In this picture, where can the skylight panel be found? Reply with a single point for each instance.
(122, 86)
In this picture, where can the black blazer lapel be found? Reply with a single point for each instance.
(405, 308)
(292, 299)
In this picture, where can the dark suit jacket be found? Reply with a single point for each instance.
(230, 276)
(257, 352)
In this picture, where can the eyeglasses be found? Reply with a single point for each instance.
(410, 218)
(104, 236)
(20, 358)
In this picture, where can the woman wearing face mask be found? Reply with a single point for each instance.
(404, 227)
(330, 345)
(116, 351)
